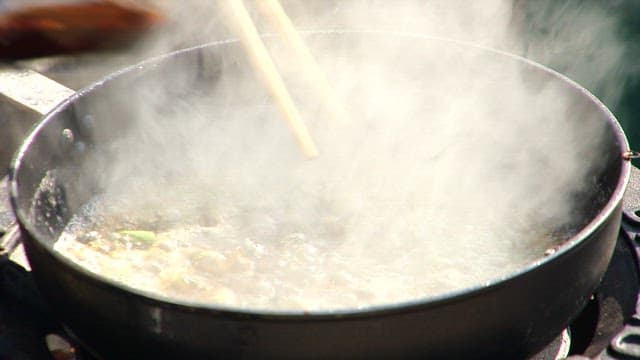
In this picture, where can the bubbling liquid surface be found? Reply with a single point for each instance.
(252, 259)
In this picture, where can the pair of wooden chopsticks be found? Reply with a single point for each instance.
(264, 64)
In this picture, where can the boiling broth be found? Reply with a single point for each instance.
(247, 258)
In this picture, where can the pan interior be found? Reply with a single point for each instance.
(441, 179)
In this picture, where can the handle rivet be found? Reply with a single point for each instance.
(630, 155)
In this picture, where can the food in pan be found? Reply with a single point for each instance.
(248, 257)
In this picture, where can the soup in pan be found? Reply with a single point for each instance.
(253, 258)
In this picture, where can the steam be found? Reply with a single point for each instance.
(454, 159)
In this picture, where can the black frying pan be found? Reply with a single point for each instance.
(511, 317)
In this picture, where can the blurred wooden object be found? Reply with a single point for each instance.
(70, 28)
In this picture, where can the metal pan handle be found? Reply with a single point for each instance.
(10, 241)
(32, 89)
(10, 236)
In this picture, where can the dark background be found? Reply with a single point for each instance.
(542, 18)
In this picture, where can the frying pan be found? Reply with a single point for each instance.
(508, 318)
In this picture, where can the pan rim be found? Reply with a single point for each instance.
(160, 301)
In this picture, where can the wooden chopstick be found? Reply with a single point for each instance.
(279, 19)
(262, 61)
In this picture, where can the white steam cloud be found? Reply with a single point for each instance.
(456, 167)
